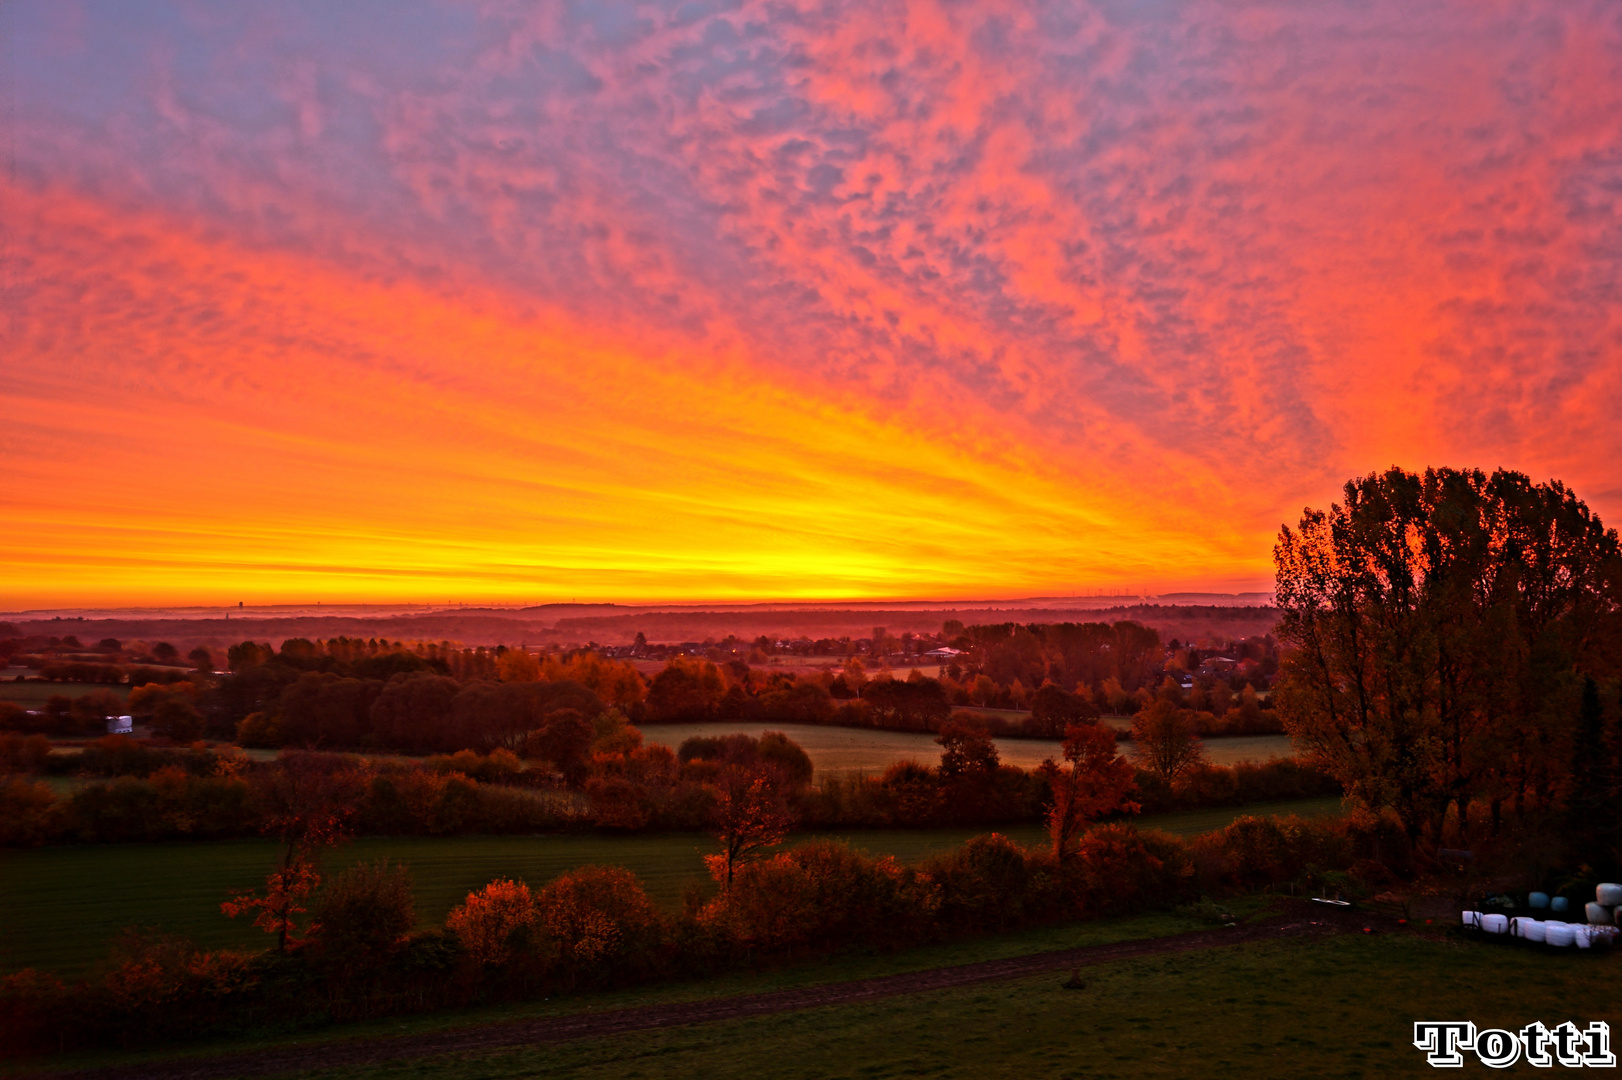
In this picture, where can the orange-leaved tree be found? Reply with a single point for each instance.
(1165, 740)
(1096, 782)
(750, 814)
(312, 798)
(495, 922)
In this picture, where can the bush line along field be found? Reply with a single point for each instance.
(60, 906)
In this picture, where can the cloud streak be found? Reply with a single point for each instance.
(774, 299)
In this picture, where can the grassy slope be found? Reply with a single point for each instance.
(1332, 1008)
(60, 905)
(843, 968)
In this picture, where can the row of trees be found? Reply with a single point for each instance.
(1451, 636)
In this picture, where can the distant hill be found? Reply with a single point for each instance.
(608, 624)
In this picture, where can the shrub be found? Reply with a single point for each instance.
(26, 812)
(823, 894)
(983, 885)
(34, 1012)
(23, 753)
(363, 916)
(260, 730)
(598, 917)
(786, 756)
(1118, 868)
(495, 924)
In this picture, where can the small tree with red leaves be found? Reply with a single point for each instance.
(312, 797)
(750, 814)
(1096, 782)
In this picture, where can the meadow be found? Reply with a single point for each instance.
(1342, 1007)
(34, 694)
(843, 749)
(60, 906)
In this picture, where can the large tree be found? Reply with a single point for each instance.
(1438, 627)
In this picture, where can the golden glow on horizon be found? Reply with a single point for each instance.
(553, 463)
(964, 302)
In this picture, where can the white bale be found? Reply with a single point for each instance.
(1599, 914)
(1495, 923)
(1581, 936)
(1471, 918)
(1559, 934)
(1608, 893)
(1532, 930)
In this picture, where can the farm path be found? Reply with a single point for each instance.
(587, 1025)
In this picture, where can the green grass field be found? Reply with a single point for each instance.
(33, 695)
(60, 906)
(839, 749)
(1335, 1008)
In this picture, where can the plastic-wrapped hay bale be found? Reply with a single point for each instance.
(1559, 903)
(1608, 894)
(1495, 923)
(1471, 919)
(1559, 934)
(1603, 935)
(1581, 937)
(1531, 929)
(1538, 901)
(1599, 915)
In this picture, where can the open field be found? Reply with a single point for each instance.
(59, 906)
(842, 749)
(1336, 1007)
(33, 695)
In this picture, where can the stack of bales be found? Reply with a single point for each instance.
(1601, 927)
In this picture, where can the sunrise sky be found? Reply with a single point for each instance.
(507, 302)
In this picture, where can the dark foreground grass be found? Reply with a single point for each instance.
(60, 906)
(764, 980)
(1338, 1007)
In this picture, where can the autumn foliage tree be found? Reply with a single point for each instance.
(1439, 627)
(750, 814)
(1165, 742)
(313, 798)
(1094, 780)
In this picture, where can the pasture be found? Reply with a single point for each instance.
(1342, 1007)
(60, 906)
(33, 695)
(843, 749)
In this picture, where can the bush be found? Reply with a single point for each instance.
(35, 1011)
(1118, 868)
(260, 730)
(823, 894)
(786, 756)
(599, 923)
(26, 812)
(495, 924)
(23, 753)
(363, 916)
(983, 885)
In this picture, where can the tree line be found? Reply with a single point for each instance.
(1454, 642)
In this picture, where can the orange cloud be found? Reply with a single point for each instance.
(896, 299)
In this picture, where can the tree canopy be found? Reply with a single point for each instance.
(1440, 626)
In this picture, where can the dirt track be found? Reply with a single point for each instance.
(594, 1024)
